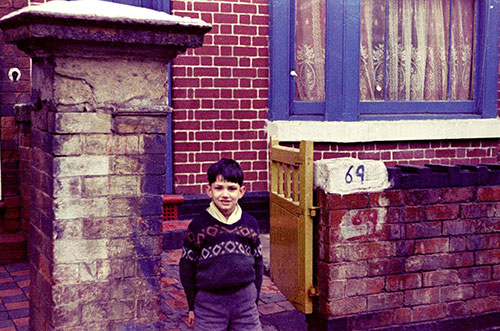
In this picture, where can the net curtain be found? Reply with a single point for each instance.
(409, 50)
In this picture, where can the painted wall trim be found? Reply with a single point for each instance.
(169, 170)
(368, 131)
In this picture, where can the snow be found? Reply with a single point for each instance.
(99, 10)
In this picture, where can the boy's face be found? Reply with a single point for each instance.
(225, 195)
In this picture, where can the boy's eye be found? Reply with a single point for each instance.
(232, 188)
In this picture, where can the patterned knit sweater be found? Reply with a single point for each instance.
(220, 258)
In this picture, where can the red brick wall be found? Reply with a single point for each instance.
(449, 152)
(219, 93)
(408, 256)
(10, 94)
(220, 104)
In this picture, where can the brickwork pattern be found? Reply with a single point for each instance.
(11, 93)
(219, 93)
(408, 256)
(24, 172)
(419, 153)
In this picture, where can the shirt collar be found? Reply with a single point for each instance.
(233, 218)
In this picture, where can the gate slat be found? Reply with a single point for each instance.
(286, 155)
(288, 181)
(296, 182)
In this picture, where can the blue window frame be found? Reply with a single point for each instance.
(342, 70)
(162, 5)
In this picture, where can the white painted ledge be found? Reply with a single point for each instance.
(368, 131)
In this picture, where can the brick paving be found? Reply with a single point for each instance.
(14, 306)
(276, 313)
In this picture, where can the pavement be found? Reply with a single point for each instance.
(14, 305)
(276, 313)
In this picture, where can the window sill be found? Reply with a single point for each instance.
(369, 131)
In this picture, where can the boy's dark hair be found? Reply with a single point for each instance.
(229, 169)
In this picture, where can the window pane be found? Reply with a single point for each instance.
(462, 50)
(408, 53)
(310, 50)
(372, 50)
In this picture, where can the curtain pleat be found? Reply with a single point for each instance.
(419, 60)
(310, 50)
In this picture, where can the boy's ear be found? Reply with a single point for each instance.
(208, 190)
(243, 189)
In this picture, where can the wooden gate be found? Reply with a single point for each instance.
(291, 244)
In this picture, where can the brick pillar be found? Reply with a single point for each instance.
(98, 133)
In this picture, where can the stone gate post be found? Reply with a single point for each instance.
(98, 128)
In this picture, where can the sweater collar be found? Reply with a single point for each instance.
(233, 218)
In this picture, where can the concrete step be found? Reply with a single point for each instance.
(173, 234)
(13, 247)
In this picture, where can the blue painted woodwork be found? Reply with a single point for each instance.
(488, 91)
(162, 5)
(279, 57)
(342, 70)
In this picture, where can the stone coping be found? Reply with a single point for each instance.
(97, 10)
(100, 28)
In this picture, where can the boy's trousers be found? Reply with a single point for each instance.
(236, 311)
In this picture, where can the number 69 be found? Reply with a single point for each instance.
(360, 172)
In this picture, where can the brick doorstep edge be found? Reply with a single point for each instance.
(173, 239)
(13, 247)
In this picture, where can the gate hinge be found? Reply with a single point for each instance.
(312, 211)
(313, 291)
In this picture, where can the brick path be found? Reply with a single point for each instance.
(276, 313)
(14, 307)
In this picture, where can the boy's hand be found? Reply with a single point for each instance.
(190, 321)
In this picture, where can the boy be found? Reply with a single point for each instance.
(221, 265)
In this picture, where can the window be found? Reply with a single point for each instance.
(162, 5)
(383, 59)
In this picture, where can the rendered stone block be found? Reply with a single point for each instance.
(82, 123)
(136, 124)
(67, 187)
(67, 145)
(124, 185)
(349, 175)
(97, 186)
(67, 208)
(116, 82)
(153, 144)
(68, 229)
(70, 251)
(81, 165)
